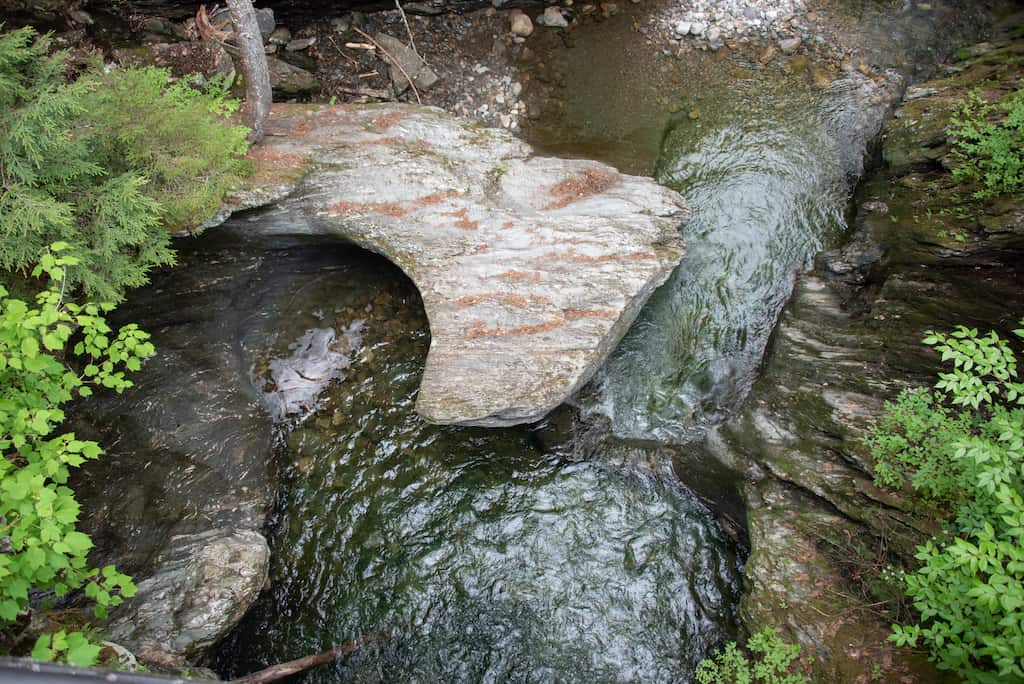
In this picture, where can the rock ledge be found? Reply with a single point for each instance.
(531, 268)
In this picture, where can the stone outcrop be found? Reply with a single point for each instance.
(180, 498)
(848, 341)
(531, 269)
(203, 585)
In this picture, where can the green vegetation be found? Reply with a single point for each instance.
(960, 447)
(988, 143)
(771, 661)
(95, 174)
(50, 354)
(109, 164)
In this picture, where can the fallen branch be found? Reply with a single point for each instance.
(342, 52)
(393, 61)
(282, 670)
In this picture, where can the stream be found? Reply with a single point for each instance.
(503, 555)
(550, 552)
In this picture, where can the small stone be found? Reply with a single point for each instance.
(520, 23)
(609, 9)
(789, 45)
(300, 44)
(697, 29)
(341, 24)
(517, 89)
(81, 17)
(694, 114)
(767, 55)
(714, 34)
(681, 28)
(552, 18)
(280, 36)
(750, 13)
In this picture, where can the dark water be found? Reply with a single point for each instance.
(482, 555)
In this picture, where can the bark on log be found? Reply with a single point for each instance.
(258, 95)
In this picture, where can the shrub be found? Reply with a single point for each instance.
(962, 447)
(107, 164)
(41, 369)
(771, 662)
(988, 142)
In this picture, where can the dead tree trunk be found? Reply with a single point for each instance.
(258, 96)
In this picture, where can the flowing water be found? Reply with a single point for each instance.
(767, 188)
(481, 554)
(484, 555)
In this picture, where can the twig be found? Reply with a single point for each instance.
(282, 670)
(412, 43)
(393, 61)
(342, 52)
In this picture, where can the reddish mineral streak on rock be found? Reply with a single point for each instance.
(572, 255)
(479, 249)
(346, 208)
(572, 314)
(520, 276)
(396, 209)
(388, 120)
(436, 197)
(480, 330)
(521, 301)
(463, 222)
(390, 140)
(585, 184)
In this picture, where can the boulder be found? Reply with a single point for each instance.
(288, 81)
(531, 268)
(203, 586)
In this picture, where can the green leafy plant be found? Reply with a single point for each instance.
(109, 164)
(51, 353)
(961, 446)
(988, 143)
(771, 661)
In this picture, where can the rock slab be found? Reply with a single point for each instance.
(531, 268)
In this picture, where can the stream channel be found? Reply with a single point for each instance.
(566, 551)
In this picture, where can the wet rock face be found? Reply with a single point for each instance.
(848, 341)
(531, 269)
(203, 586)
(182, 493)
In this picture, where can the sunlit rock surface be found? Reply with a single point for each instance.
(531, 269)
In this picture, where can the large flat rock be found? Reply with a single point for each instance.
(531, 268)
